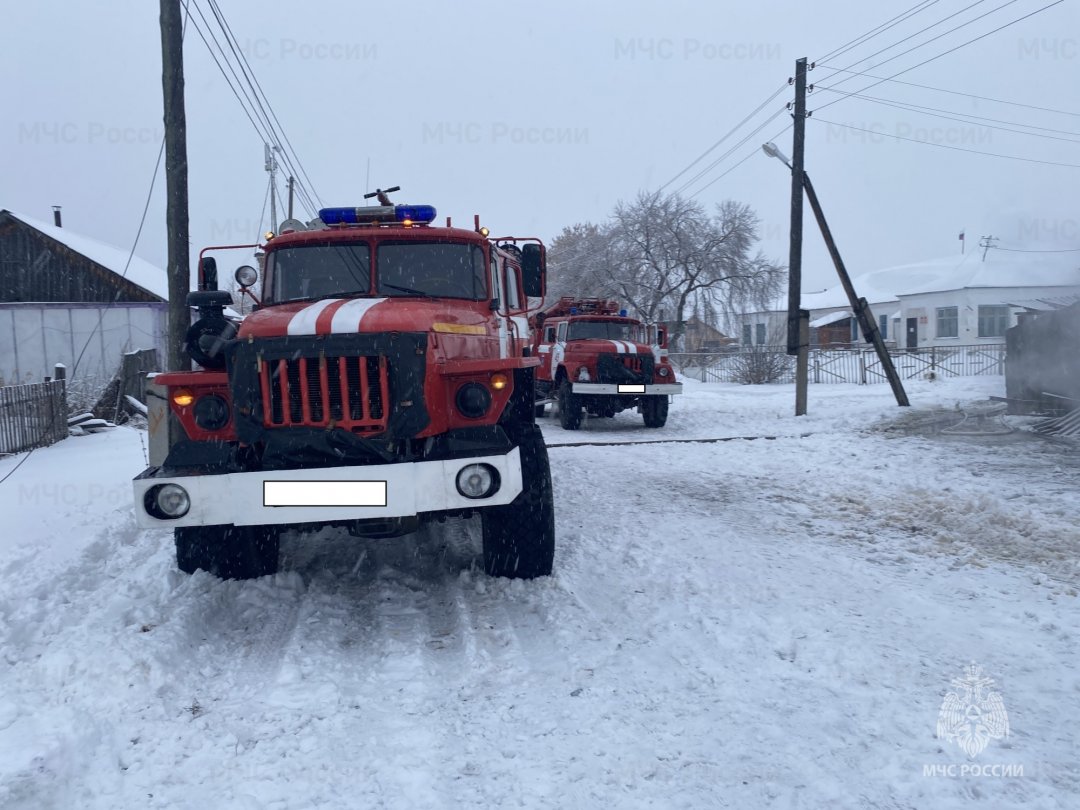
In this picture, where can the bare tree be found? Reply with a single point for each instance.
(665, 255)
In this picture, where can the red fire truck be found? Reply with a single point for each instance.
(382, 380)
(595, 359)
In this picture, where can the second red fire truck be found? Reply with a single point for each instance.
(596, 359)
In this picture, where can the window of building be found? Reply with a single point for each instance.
(948, 325)
(883, 326)
(854, 326)
(993, 320)
(747, 334)
(760, 334)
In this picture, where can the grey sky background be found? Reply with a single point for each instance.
(542, 115)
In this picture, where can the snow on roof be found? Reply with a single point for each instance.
(140, 272)
(832, 317)
(1001, 268)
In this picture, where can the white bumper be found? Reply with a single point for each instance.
(410, 488)
(627, 389)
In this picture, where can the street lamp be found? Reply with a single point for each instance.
(773, 151)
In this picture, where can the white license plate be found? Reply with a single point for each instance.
(324, 493)
(631, 388)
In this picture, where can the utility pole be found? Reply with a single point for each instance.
(796, 332)
(859, 306)
(271, 166)
(987, 242)
(292, 181)
(176, 211)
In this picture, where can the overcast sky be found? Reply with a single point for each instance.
(542, 115)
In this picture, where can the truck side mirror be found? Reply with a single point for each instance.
(661, 337)
(533, 269)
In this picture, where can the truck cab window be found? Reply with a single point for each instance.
(318, 271)
(430, 269)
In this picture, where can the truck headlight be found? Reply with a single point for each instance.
(211, 412)
(663, 371)
(583, 374)
(167, 501)
(478, 481)
(473, 400)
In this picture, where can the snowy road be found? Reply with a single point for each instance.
(767, 623)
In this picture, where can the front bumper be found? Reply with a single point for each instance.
(627, 389)
(411, 488)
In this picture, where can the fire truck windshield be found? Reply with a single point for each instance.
(603, 330)
(318, 271)
(431, 269)
(406, 268)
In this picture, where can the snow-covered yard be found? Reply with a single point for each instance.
(762, 622)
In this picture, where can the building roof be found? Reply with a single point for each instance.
(1001, 268)
(139, 272)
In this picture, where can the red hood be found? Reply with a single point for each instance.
(352, 315)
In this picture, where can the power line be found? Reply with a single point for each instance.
(720, 159)
(924, 111)
(950, 92)
(951, 50)
(947, 146)
(924, 30)
(729, 133)
(234, 44)
(250, 102)
(920, 107)
(873, 32)
(749, 155)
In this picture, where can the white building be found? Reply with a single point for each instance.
(959, 300)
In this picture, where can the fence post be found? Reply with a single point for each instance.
(933, 359)
(817, 366)
(862, 368)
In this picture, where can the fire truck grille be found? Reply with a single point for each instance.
(625, 368)
(344, 392)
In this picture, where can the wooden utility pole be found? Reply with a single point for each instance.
(796, 343)
(292, 181)
(176, 212)
(859, 306)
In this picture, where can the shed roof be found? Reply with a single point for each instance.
(139, 272)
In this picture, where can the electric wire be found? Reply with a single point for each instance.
(922, 31)
(729, 133)
(950, 50)
(950, 92)
(921, 107)
(873, 32)
(238, 52)
(732, 149)
(948, 146)
(924, 111)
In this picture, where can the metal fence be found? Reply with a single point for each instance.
(33, 415)
(861, 365)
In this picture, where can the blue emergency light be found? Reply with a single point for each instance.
(622, 313)
(412, 214)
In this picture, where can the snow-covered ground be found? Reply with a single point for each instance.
(762, 622)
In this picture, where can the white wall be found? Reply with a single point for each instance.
(924, 306)
(35, 337)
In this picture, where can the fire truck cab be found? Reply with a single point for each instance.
(382, 380)
(595, 359)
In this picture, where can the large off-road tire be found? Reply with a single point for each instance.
(654, 410)
(569, 406)
(538, 411)
(519, 538)
(229, 552)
